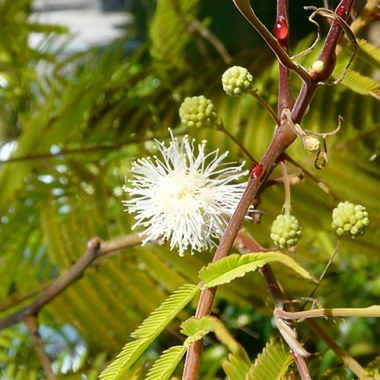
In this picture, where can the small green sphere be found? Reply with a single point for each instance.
(286, 231)
(198, 112)
(350, 219)
(237, 81)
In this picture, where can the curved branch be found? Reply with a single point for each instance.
(95, 253)
(246, 10)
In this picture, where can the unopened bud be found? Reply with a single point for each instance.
(237, 81)
(311, 143)
(198, 112)
(318, 66)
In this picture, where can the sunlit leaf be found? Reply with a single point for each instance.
(234, 266)
(272, 364)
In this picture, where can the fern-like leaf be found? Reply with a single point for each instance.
(373, 368)
(148, 331)
(196, 329)
(272, 363)
(237, 367)
(161, 317)
(233, 266)
(239, 364)
(169, 33)
(362, 84)
(338, 373)
(166, 363)
(192, 325)
(130, 353)
(369, 53)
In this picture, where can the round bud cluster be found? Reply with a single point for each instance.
(198, 112)
(311, 143)
(237, 81)
(286, 231)
(350, 219)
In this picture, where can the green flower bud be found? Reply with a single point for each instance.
(237, 81)
(286, 231)
(198, 112)
(350, 219)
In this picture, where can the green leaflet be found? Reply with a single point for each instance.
(237, 367)
(369, 53)
(192, 326)
(169, 32)
(166, 363)
(374, 367)
(361, 84)
(272, 364)
(148, 331)
(239, 364)
(358, 82)
(161, 317)
(233, 266)
(196, 329)
(337, 373)
(130, 353)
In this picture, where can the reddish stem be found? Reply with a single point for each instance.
(283, 137)
(281, 31)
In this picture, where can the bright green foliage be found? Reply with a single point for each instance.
(239, 364)
(229, 268)
(362, 84)
(148, 332)
(196, 329)
(272, 364)
(358, 82)
(340, 373)
(127, 357)
(163, 368)
(100, 111)
(374, 368)
(237, 81)
(169, 31)
(369, 53)
(286, 231)
(350, 219)
(197, 112)
(166, 312)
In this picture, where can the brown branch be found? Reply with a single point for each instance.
(109, 248)
(247, 11)
(32, 325)
(195, 25)
(369, 14)
(284, 136)
(96, 252)
(15, 299)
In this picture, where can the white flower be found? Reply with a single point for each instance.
(182, 197)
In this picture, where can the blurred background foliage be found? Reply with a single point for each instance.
(73, 124)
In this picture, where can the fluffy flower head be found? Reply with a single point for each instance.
(183, 197)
